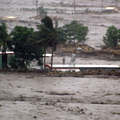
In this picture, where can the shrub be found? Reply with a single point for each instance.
(111, 37)
(15, 63)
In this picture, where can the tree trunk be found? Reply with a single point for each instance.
(52, 54)
(4, 60)
(44, 58)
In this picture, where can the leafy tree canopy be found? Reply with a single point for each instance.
(4, 42)
(48, 35)
(22, 45)
(75, 31)
(46, 31)
(4, 36)
(47, 22)
(111, 37)
(61, 35)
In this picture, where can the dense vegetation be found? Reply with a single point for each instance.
(4, 42)
(112, 37)
(23, 48)
(75, 32)
(29, 45)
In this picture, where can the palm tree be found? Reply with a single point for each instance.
(4, 41)
(48, 36)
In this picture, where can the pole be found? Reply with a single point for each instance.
(116, 3)
(102, 5)
(74, 6)
(44, 58)
(37, 6)
(52, 55)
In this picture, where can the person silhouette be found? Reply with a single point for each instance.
(63, 60)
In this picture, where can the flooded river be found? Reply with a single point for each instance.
(97, 23)
(28, 96)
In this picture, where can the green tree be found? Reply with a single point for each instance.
(75, 31)
(111, 37)
(4, 42)
(24, 47)
(61, 36)
(48, 35)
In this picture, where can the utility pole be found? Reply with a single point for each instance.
(36, 6)
(116, 3)
(102, 5)
(74, 6)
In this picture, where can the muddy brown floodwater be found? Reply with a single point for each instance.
(96, 22)
(25, 96)
(29, 96)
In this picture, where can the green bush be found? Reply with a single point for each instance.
(111, 37)
(15, 63)
(75, 31)
(25, 47)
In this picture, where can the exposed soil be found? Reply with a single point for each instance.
(85, 51)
